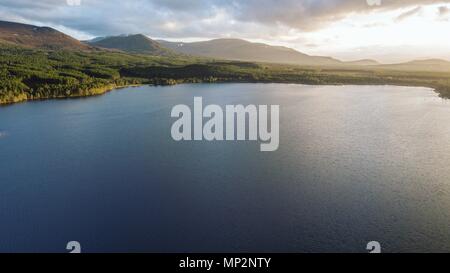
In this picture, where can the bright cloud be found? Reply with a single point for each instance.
(348, 29)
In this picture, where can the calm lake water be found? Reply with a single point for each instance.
(355, 164)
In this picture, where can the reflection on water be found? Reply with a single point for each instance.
(354, 165)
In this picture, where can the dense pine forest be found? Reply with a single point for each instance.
(28, 74)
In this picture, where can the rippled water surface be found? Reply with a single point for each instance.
(355, 164)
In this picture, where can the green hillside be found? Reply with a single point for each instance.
(132, 44)
(38, 37)
(241, 50)
(28, 74)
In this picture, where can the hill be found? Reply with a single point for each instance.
(241, 50)
(137, 43)
(37, 37)
(363, 62)
(421, 65)
(30, 74)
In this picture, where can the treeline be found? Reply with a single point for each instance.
(27, 74)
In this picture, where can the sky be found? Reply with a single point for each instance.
(386, 30)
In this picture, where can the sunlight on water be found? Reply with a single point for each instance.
(355, 164)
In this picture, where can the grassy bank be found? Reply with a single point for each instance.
(27, 74)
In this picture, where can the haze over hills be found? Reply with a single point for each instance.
(227, 49)
(422, 65)
(37, 37)
(241, 50)
(136, 43)
(363, 62)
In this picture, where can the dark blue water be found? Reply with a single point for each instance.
(355, 164)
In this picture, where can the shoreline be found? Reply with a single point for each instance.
(102, 91)
(92, 93)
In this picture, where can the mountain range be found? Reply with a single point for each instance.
(136, 43)
(227, 49)
(38, 37)
(241, 50)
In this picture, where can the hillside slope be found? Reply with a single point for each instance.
(421, 65)
(37, 37)
(241, 50)
(137, 43)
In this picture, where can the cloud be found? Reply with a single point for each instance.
(309, 15)
(200, 18)
(98, 17)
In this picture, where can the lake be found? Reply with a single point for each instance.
(355, 164)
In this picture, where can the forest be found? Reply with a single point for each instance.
(30, 74)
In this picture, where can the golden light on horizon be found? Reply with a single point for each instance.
(404, 31)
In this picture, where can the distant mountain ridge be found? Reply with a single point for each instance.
(241, 50)
(30, 36)
(37, 37)
(136, 43)
(363, 62)
(421, 65)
